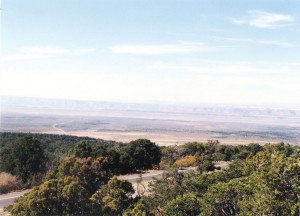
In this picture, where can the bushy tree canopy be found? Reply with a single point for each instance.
(188, 205)
(140, 154)
(114, 197)
(23, 158)
(54, 197)
(82, 150)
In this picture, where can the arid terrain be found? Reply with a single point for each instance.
(124, 123)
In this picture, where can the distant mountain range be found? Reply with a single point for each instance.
(8, 103)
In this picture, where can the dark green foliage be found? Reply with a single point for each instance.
(199, 184)
(52, 144)
(140, 154)
(168, 156)
(113, 162)
(220, 157)
(136, 155)
(112, 156)
(282, 148)
(188, 205)
(227, 151)
(223, 198)
(165, 189)
(99, 151)
(243, 154)
(212, 150)
(140, 209)
(192, 149)
(260, 180)
(55, 148)
(54, 197)
(23, 158)
(255, 148)
(270, 187)
(81, 188)
(265, 183)
(82, 150)
(90, 173)
(206, 166)
(114, 197)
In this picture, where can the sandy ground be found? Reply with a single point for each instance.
(164, 139)
(161, 128)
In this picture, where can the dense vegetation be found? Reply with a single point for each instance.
(260, 180)
(54, 146)
(30, 156)
(266, 183)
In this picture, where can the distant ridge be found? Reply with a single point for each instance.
(8, 102)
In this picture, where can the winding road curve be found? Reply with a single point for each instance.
(8, 199)
(54, 126)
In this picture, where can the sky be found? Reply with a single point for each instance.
(177, 51)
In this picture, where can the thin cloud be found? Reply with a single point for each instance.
(276, 43)
(243, 69)
(265, 42)
(262, 19)
(40, 52)
(161, 49)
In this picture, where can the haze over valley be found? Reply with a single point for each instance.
(165, 124)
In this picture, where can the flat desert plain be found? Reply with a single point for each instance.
(229, 126)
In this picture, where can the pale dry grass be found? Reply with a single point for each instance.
(8, 183)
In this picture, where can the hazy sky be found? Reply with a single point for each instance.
(195, 51)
